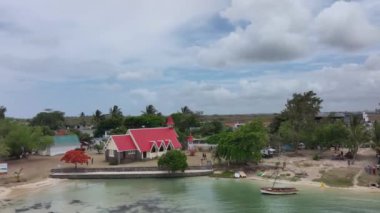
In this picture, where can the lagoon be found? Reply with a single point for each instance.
(198, 194)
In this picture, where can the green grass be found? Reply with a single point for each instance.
(338, 177)
(366, 179)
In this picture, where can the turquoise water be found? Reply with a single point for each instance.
(201, 194)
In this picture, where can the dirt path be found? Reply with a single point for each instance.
(355, 181)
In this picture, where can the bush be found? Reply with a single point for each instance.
(316, 157)
(173, 160)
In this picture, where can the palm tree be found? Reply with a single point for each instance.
(2, 112)
(358, 135)
(186, 110)
(115, 112)
(82, 117)
(97, 116)
(150, 110)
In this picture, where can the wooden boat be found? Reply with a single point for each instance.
(278, 190)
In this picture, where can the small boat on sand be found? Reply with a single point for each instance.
(279, 190)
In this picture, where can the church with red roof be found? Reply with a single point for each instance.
(142, 143)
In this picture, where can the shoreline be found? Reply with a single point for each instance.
(16, 190)
(305, 183)
(7, 193)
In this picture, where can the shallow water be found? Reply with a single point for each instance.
(200, 194)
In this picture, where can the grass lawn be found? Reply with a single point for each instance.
(366, 179)
(339, 177)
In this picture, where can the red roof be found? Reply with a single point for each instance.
(190, 138)
(144, 136)
(159, 143)
(124, 142)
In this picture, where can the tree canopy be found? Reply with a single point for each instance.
(54, 120)
(244, 144)
(296, 122)
(358, 134)
(18, 139)
(2, 112)
(98, 116)
(376, 135)
(173, 160)
(75, 157)
(150, 110)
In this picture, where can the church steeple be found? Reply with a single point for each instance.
(170, 122)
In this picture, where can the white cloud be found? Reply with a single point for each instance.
(291, 29)
(346, 87)
(345, 25)
(140, 74)
(54, 52)
(273, 33)
(144, 95)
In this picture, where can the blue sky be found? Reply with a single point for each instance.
(227, 57)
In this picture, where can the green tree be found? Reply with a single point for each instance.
(376, 136)
(54, 120)
(99, 147)
(211, 128)
(145, 120)
(115, 112)
(358, 135)
(244, 144)
(97, 117)
(186, 110)
(150, 110)
(173, 160)
(330, 134)
(2, 112)
(300, 112)
(20, 138)
(112, 123)
(287, 134)
(4, 150)
(107, 124)
(82, 118)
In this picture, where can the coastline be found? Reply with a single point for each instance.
(305, 183)
(9, 193)
(17, 190)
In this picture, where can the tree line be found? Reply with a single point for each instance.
(296, 123)
(17, 139)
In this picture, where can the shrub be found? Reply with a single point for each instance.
(316, 157)
(173, 160)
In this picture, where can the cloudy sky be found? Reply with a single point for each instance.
(216, 56)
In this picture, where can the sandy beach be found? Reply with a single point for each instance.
(36, 170)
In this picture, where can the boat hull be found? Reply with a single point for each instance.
(279, 190)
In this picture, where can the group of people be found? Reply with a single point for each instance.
(204, 156)
(371, 170)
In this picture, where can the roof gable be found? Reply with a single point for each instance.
(144, 136)
(123, 142)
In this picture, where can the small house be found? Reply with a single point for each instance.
(62, 144)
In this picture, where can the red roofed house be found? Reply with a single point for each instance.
(143, 143)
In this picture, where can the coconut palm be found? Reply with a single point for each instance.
(3, 109)
(150, 110)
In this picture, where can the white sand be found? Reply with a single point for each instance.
(10, 192)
